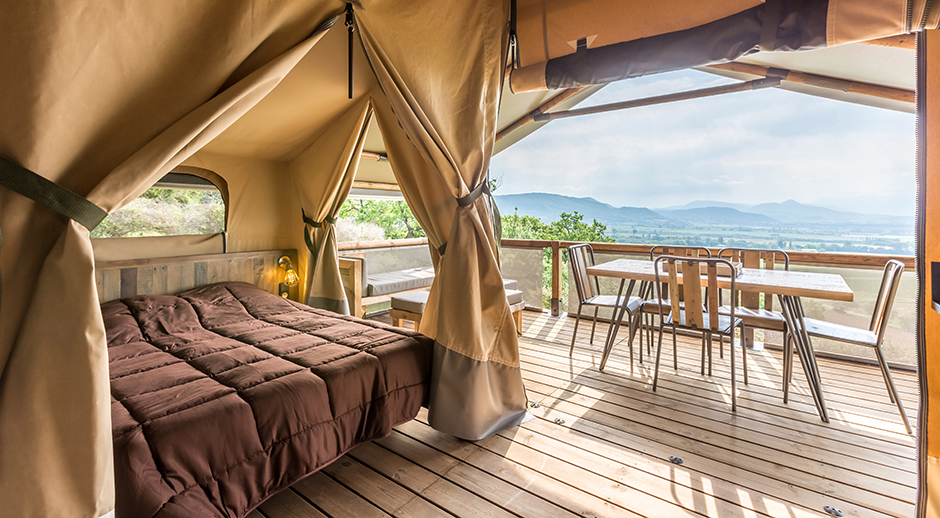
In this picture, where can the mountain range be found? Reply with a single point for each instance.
(547, 207)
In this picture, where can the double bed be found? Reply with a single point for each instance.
(225, 394)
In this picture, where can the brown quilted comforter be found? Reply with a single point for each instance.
(225, 394)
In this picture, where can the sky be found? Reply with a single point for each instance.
(751, 147)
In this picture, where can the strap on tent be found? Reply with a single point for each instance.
(465, 201)
(315, 224)
(50, 194)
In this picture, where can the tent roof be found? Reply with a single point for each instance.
(289, 119)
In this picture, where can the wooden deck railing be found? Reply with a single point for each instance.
(832, 259)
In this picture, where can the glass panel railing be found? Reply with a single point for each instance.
(526, 266)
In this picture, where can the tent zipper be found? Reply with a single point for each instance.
(919, 231)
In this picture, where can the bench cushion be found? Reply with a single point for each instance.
(413, 302)
(513, 296)
(509, 284)
(402, 280)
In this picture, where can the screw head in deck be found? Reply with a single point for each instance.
(834, 511)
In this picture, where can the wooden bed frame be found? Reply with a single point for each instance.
(172, 275)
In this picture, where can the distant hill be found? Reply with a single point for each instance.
(700, 204)
(724, 216)
(792, 211)
(548, 207)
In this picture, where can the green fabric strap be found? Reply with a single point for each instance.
(45, 192)
(466, 201)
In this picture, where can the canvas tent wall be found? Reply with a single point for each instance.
(105, 98)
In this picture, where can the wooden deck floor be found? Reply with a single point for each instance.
(600, 442)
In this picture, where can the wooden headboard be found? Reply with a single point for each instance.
(172, 275)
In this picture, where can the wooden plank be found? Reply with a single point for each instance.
(574, 499)
(242, 270)
(556, 278)
(379, 490)
(507, 497)
(174, 278)
(145, 280)
(762, 400)
(443, 493)
(217, 271)
(334, 499)
(130, 282)
(187, 276)
(770, 459)
(757, 424)
(127, 263)
(269, 274)
(160, 280)
(288, 504)
(111, 284)
(201, 274)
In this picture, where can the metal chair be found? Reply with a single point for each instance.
(589, 294)
(697, 314)
(872, 337)
(651, 304)
(747, 303)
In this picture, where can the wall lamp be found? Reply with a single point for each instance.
(290, 278)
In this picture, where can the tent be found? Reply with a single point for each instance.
(101, 100)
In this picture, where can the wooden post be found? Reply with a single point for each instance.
(556, 278)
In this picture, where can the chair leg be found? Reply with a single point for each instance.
(734, 401)
(577, 320)
(885, 374)
(593, 326)
(743, 353)
(721, 345)
(703, 354)
(787, 364)
(892, 389)
(675, 349)
(659, 350)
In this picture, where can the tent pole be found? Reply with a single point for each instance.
(661, 99)
(855, 87)
(529, 117)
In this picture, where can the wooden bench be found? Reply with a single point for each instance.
(357, 285)
(410, 306)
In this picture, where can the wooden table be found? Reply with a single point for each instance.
(788, 286)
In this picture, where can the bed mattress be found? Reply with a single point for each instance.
(225, 394)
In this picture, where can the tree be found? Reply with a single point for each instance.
(393, 216)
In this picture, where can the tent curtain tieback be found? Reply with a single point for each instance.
(466, 201)
(315, 224)
(50, 194)
(41, 190)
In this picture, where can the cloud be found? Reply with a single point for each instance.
(753, 147)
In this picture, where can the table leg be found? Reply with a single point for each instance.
(792, 312)
(616, 319)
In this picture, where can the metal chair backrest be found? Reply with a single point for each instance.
(581, 256)
(677, 251)
(762, 258)
(686, 272)
(884, 302)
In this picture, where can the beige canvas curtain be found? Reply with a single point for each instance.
(321, 178)
(93, 100)
(440, 65)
